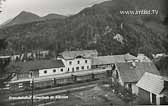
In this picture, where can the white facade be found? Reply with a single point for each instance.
(52, 71)
(135, 89)
(133, 86)
(77, 64)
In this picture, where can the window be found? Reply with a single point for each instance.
(68, 69)
(45, 72)
(62, 70)
(78, 62)
(54, 70)
(85, 61)
(72, 69)
(82, 67)
(77, 68)
(20, 85)
(129, 86)
(70, 63)
(87, 67)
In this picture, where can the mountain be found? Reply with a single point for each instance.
(6, 22)
(27, 17)
(96, 27)
(23, 17)
(53, 16)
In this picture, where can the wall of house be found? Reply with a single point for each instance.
(77, 64)
(134, 89)
(22, 76)
(52, 71)
(117, 77)
(143, 97)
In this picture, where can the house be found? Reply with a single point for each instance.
(129, 73)
(4, 59)
(77, 60)
(153, 89)
(159, 55)
(37, 68)
(119, 38)
(143, 58)
(108, 61)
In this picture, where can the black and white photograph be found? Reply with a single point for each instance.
(83, 52)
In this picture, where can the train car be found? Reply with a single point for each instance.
(98, 75)
(20, 86)
(59, 80)
(43, 84)
(82, 78)
(63, 81)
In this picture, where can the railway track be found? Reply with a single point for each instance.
(50, 92)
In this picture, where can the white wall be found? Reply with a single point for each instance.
(119, 77)
(135, 89)
(74, 64)
(51, 71)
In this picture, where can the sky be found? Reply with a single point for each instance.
(11, 8)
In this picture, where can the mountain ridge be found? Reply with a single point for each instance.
(94, 28)
(28, 17)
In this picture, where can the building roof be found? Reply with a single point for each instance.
(73, 54)
(151, 83)
(101, 60)
(143, 58)
(34, 65)
(133, 71)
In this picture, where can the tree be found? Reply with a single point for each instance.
(1, 1)
(3, 44)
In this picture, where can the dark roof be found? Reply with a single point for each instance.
(73, 54)
(131, 73)
(101, 60)
(34, 65)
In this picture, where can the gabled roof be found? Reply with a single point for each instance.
(132, 72)
(101, 60)
(73, 54)
(34, 65)
(151, 83)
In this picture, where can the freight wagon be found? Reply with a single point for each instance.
(59, 80)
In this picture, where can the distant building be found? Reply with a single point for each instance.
(107, 61)
(4, 61)
(37, 68)
(77, 60)
(143, 58)
(153, 89)
(159, 55)
(129, 73)
(119, 38)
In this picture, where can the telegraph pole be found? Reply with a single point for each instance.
(32, 89)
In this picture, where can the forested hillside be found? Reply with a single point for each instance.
(100, 27)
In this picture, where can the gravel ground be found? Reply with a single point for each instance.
(92, 97)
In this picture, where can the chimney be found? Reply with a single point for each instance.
(133, 64)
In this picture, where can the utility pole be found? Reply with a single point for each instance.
(32, 88)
